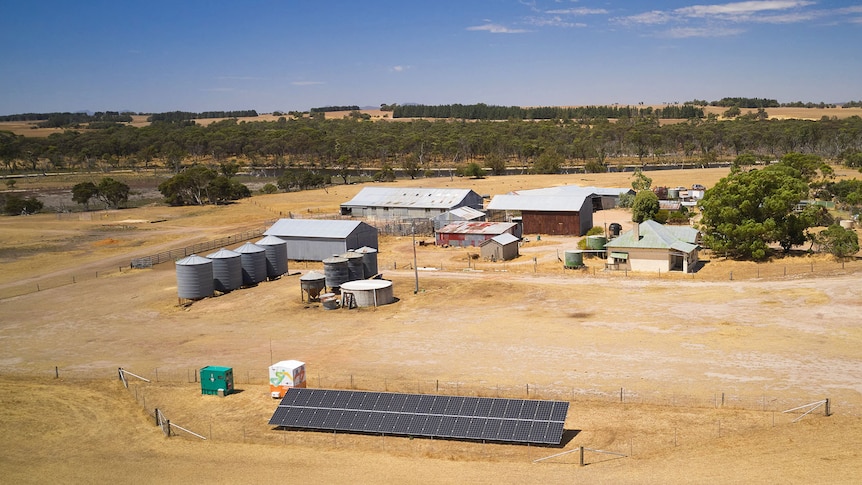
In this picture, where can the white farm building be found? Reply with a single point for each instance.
(408, 203)
(316, 240)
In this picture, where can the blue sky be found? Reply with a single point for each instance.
(156, 55)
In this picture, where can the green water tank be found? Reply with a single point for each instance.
(574, 259)
(596, 242)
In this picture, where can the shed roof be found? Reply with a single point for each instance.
(656, 236)
(313, 228)
(502, 239)
(444, 198)
(466, 227)
(553, 203)
(464, 212)
(570, 190)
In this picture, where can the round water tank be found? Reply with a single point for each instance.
(673, 194)
(276, 255)
(312, 283)
(369, 293)
(194, 277)
(355, 270)
(846, 223)
(227, 270)
(253, 258)
(574, 259)
(596, 242)
(335, 271)
(615, 229)
(369, 260)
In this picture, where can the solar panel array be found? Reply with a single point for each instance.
(458, 417)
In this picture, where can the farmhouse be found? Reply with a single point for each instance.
(650, 246)
(457, 215)
(466, 234)
(408, 203)
(500, 248)
(548, 214)
(316, 240)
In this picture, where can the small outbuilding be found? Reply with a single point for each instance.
(217, 380)
(651, 246)
(317, 239)
(500, 248)
(284, 375)
(467, 234)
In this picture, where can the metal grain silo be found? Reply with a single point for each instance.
(194, 277)
(355, 270)
(313, 284)
(369, 260)
(335, 271)
(227, 270)
(253, 258)
(276, 255)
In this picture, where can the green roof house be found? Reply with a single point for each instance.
(652, 247)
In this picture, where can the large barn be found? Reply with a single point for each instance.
(562, 215)
(408, 203)
(650, 246)
(316, 240)
(603, 197)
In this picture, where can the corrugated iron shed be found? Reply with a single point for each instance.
(466, 227)
(545, 203)
(410, 197)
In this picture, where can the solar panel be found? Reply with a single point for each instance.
(477, 418)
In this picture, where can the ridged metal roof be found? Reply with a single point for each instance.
(551, 203)
(320, 228)
(653, 235)
(466, 227)
(408, 197)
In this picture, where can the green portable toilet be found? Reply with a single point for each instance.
(215, 378)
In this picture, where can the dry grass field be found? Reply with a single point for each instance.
(687, 376)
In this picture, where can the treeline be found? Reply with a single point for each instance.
(746, 103)
(327, 109)
(178, 116)
(348, 144)
(63, 120)
(483, 111)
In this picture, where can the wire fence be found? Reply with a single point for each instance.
(174, 254)
(639, 422)
(595, 268)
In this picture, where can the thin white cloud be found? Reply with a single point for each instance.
(581, 11)
(555, 21)
(689, 32)
(649, 18)
(307, 83)
(759, 11)
(496, 29)
(399, 68)
(740, 8)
